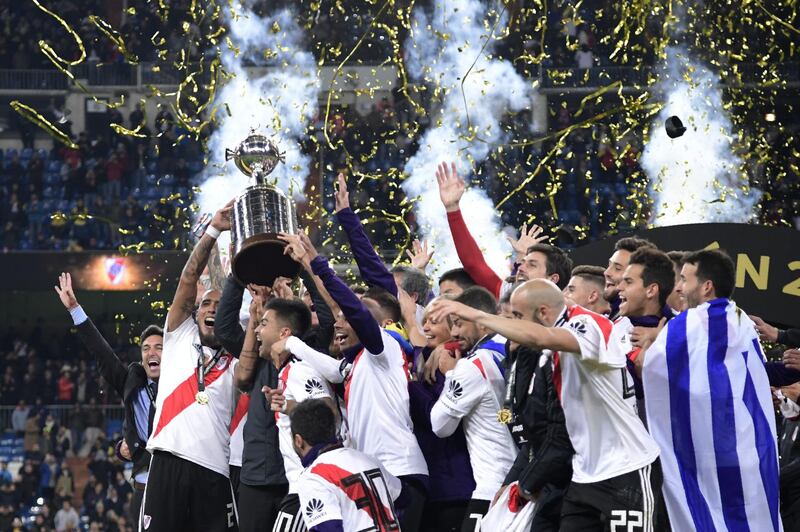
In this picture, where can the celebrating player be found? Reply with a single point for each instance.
(188, 484)
(615, 472)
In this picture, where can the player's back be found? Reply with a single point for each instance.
(351, 487)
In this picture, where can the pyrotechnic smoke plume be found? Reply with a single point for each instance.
(277, 102)
(697, 177)
(441, 50)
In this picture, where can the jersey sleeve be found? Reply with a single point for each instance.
(305, 383)
(463, 389)
(318, 502)
(598, 342)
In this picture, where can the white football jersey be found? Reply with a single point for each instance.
(196, 432)
(597, 395)
(350, 486)
(236, 429)
(377, 404)
(300, 382)
(622, 331)
(473, 392)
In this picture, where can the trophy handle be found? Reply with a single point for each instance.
(229, 154)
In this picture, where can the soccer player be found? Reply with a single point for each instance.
(473, 394)
(709, 407)
(615, 468)
(585, 289)
(616, 267)
(298, 382)
(188, 485)
(341, 489)
(375, 376)
(643, 292)
(674, 299)
(453, 282)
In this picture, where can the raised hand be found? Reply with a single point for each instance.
(222, 218)
(64, 291)
(260, 294)
(295, 248)
(420, 257)
(282, 288)
(451, 186)
(311, 251)
(341, 194)
(527, 238)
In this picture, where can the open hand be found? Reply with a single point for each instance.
(295, 248)
(420, 257)
(282, 288)
(341, 194)
(451, 186)
(65, 293)
(791, 358)
(527, 238)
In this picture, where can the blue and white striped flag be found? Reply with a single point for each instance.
(710, 411)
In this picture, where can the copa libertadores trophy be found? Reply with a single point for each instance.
(259, 214)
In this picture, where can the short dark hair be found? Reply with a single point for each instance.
(293, 312)
(414, 281)
(150, 330)
(677, 257)
(714, 265)
(558, 262)
(458, 276)
(389, 305)
(479, 298)
(595, 274)
(314, 421)
(632, 243)
(656, 268)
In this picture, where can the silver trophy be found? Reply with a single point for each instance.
(259, 214)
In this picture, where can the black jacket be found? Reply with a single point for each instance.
(126, 380)
(262, 462)
(547, 457)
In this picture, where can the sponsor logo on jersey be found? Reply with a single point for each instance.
(454, 390)
(313, 386)
(578, 324)
(313, 508)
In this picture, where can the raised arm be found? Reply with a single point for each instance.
(451, 189)
(522, 332)
(359, 317)
(322, 306)
(227, 328)
(370, 264)
(245, 371)
(113, 370)
(186, 293)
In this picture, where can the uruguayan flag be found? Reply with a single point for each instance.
(710, 411)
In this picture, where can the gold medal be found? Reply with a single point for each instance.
(201, 398)
(504, 416)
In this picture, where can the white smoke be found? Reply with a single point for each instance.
(697, 177)
(441, 51)
(277, 101)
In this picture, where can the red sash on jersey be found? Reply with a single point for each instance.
(240, 412)
(184, 395)
(349, 378)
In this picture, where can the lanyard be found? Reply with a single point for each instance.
(202, 369)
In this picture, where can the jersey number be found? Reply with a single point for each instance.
(627, 519)
(371, 500)
(628, 387)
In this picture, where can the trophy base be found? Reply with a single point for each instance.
(260, 260)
